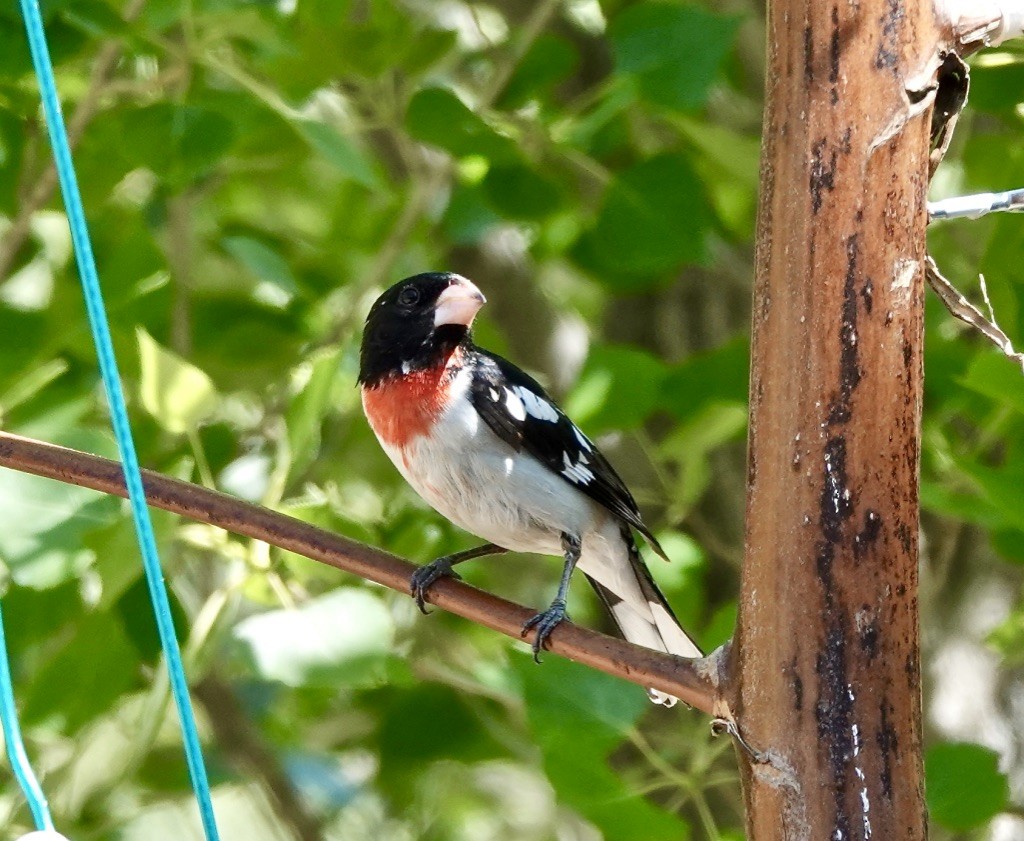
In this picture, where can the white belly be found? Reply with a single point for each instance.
(481, 484)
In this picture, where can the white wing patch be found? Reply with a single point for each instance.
(576, 472)
(514, 405)
(536, 407)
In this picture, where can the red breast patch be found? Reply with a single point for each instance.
(404, 407)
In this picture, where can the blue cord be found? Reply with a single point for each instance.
(15, 746)
(118, 411)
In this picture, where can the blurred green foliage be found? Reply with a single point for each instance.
(255, 173)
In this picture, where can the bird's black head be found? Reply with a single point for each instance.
(416, 324)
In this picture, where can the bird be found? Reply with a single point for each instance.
(484, 444)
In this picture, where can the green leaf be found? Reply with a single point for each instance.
(996, 85)
(971, 507)
(340, 152)
(341, 638)
(178, 143)
(519, 192)
(1009, 543)
(964, 786)
(998, 377)
(728, 162)
(85, 676)
(469, 215)
(654, 218)
(29, 385)
(1002, 490)
(674, 51)
(578, 716)
(721, 626)
(410, 738)
(1008, 638)
(177, 394)
(618, 388)
(265, 263)
(135, 609)
(718, 375)
(682, 579)
(308, 408)
(548, 61)
(438, 117)
(692, 443)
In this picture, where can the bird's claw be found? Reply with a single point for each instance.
(425, 576)
(544, 622)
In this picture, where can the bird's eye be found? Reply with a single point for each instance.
(409, 296)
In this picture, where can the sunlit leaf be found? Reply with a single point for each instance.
(438, 117)
(340, 152)
(618, 389)
(178, 395)
(995, 376)
(265, 263)
(336, 639)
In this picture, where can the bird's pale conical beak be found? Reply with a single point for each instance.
(459, 303)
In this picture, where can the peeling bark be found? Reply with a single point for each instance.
(827, 670)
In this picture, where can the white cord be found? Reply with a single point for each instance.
(976, 206)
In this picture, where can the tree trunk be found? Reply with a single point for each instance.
(826, 657)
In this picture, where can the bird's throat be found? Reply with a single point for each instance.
(404, 407)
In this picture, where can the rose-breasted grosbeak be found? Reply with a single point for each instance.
(483, 443)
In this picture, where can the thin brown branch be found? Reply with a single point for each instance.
(106, 60)
(958, 304)
(697, 682)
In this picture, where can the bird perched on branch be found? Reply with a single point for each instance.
(483, 443)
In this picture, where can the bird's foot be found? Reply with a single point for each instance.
(424, 577)
(545, 623)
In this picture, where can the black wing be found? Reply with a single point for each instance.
(518, 410)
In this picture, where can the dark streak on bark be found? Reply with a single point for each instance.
(834, 708)
(904, 536)
(808, 57)
(866, 537)
(823, 176)
(849, 366)
(834, 714)
(833, 55)
(835, 505)
(868, 294)
(798, 685)
(888, 55)
(888, 744)
(868, 633)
